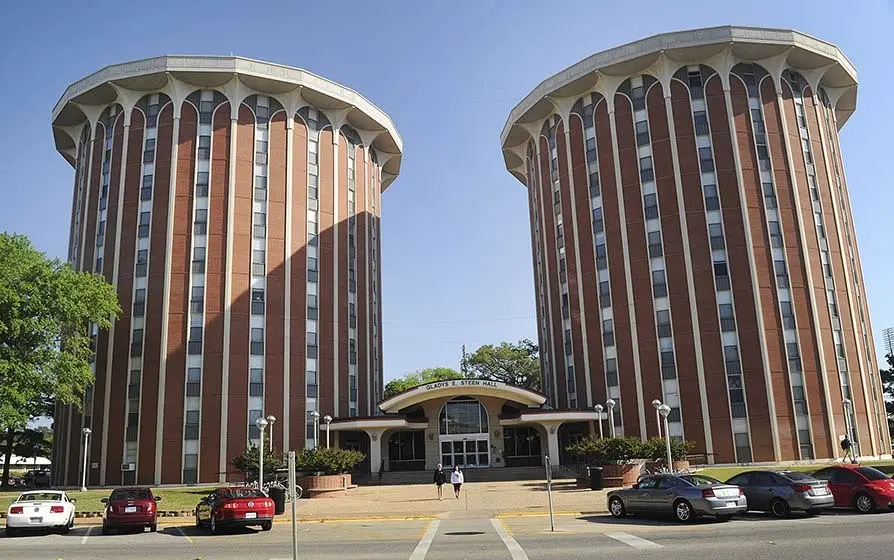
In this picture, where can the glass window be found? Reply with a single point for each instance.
(463, 415)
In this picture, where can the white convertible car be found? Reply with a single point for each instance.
(45, 509)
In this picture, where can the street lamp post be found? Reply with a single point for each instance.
(86, 432)
(599, 410)
(610, 405)
(664, 410)
(327, 419)
(261, 423)
(657, 404)
(846, 403)
(316, 416)
(271, 420)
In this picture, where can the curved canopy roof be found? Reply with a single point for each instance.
(793, 49)
(461, 387)
(233, 75)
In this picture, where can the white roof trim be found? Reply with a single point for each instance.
(374, 423)
(462, 387)
(558, 416)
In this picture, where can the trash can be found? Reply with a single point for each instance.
(278, 495)
(597, 480)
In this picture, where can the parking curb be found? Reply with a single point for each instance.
(93, 522)
(509, 514)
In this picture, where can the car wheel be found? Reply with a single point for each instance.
(683, 511)
(153, 528)
(12, 532)
(864, 503)
(64, 529)
(105, 529)
(198, 521)
(215, 530)
(616, 507)
(780, 508)
(267, 525)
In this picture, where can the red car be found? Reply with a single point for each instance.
(130, 508)
(863, 488)
(236, 506)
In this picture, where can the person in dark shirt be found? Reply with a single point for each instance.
(440, 480)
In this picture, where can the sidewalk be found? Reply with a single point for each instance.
(478, 500)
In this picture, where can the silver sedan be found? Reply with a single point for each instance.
(685, 496)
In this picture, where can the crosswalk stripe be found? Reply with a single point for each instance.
(632, 540)
(424, 544)
(515, 549)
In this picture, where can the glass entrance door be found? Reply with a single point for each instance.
(468, 452)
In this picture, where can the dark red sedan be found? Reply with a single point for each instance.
(855, 486)
(235, 506)
(130, 508)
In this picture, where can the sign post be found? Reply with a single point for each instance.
(294, 498)
(549, 493)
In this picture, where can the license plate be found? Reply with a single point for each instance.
(820, 491)
(36, 519)
(130, 509)
(251, 515)
(731, 504)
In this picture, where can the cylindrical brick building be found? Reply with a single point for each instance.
(236, 206)
(693, 242)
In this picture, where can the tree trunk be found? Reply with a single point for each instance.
(7, 456)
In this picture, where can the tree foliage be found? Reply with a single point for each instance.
(516, 364)
(327, 460)
(45, 345)
(888, 390)
(247, 462)
(604, 451)
(421, 377)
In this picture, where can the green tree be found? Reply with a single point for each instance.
(247, 462)
(420, 377)
(46, 309)
(888, 391)
(516, 364)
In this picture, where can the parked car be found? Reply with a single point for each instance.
(130, 508)
(236, 506)
(780, 492)
(45, 509)
(37, 478)
(855, 486)
(685, 496)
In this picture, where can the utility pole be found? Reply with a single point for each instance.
(462, 365)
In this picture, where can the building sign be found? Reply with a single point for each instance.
(463, 383)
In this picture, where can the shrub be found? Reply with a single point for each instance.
(327, 460)
(604, 451)
(656, 449)
(247, 462)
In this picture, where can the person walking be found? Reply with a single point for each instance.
(440, 480)
(457, 478)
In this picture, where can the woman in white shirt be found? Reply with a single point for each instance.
(457, 478)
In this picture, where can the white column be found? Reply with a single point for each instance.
(375, 449)
(552, 439)
(228, 293)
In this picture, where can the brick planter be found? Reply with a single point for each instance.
(617, 476)
(327, 485)
(653, 466)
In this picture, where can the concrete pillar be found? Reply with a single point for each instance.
(375, 448)
(552, 439)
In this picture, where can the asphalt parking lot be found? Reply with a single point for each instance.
(829, 536)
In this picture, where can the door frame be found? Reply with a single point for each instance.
(482, 436)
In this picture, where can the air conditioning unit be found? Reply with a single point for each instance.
(128, 466)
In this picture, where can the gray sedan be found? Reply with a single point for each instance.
(686, 496)
(780, 492)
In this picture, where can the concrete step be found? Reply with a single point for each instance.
(471, 475)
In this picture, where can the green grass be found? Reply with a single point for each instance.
(726, 473)
(171, 498)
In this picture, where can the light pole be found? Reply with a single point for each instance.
(261, 423)
(86, 432)
(316, 416)
(657, 404)
(610, 405)
(664, 410)
(327, 419)
(271, 420)
(599, 410)
(846, 403)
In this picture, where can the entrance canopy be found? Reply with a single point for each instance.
(461, 387)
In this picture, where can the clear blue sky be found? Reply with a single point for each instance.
(456, 243)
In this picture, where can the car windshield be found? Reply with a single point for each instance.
(240, 493)
(131, 494)
(700, 480)
(40, 497)
(797, 476)
(871, 473)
